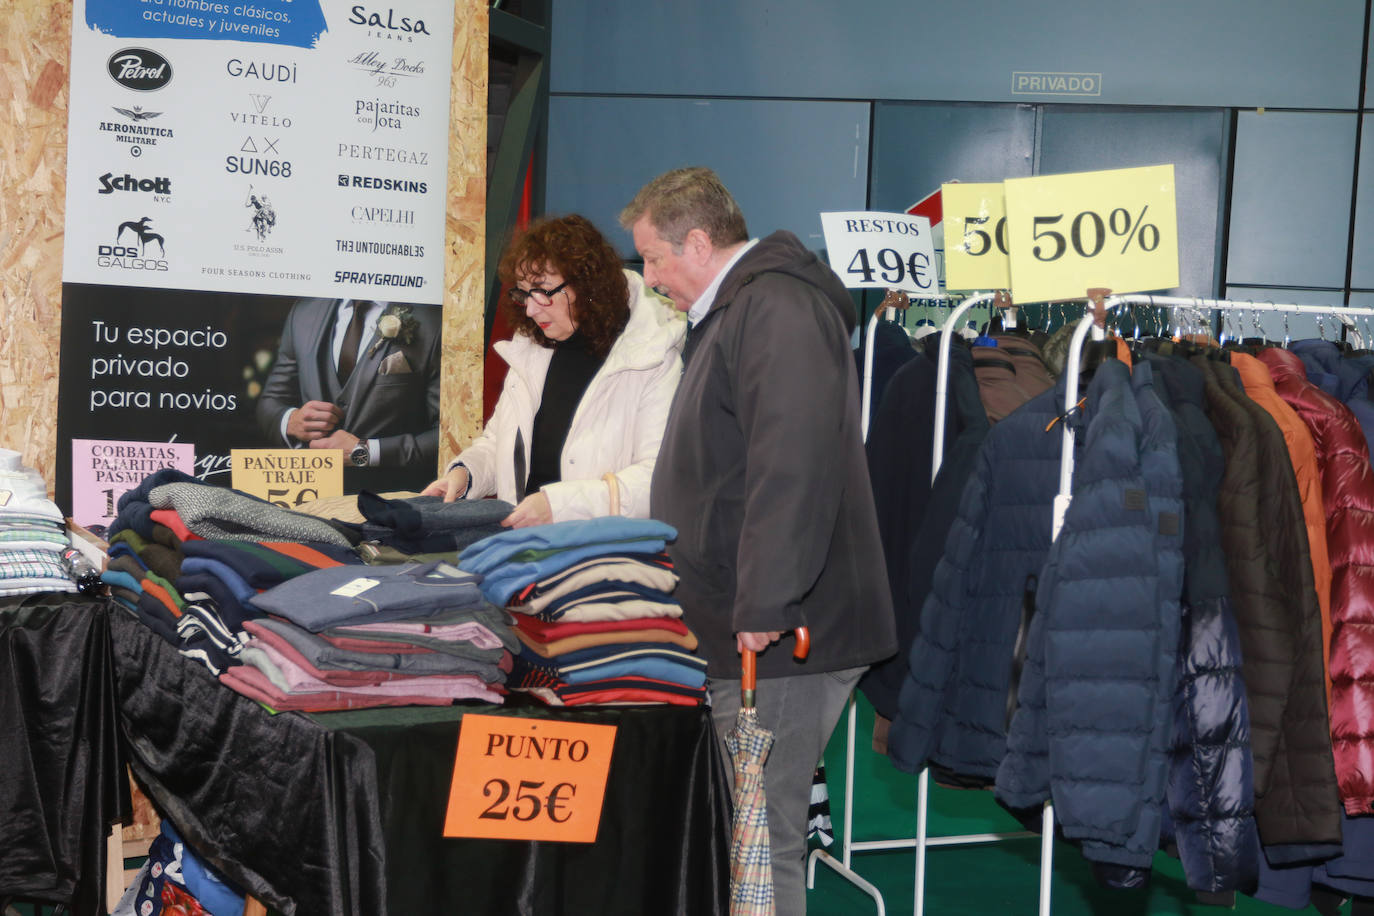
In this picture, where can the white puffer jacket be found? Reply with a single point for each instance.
(617, 426)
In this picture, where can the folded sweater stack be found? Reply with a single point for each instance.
(594, 612)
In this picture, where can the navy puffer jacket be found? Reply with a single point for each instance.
(1093, 722)
(1211, 775)
(952, 711)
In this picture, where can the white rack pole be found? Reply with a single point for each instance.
(1237, 305)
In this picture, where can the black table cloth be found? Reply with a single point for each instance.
(62, 782)
(342, 813)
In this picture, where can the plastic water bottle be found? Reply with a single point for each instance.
(83, 573)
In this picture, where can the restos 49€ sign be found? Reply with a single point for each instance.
(1116, 229)
(529, 779)
(874, 250)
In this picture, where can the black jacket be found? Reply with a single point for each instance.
(1270, 571)
(762, 472)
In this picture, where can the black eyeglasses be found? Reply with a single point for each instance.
(541, 296)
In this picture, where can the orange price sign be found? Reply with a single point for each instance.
(529, 779)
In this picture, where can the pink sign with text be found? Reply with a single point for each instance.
(104, 469)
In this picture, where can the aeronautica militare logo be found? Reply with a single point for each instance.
(138, 129)
(133, 240)
(139, 69)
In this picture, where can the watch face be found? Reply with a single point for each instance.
(359, 455)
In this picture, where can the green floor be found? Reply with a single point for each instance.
(988, 879)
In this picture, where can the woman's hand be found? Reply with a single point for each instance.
(533, 510)
(450, 486)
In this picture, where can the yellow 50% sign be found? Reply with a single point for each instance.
(975, 236)
(1068, 233)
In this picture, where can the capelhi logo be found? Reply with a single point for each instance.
(139, 69)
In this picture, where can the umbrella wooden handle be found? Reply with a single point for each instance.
(749, 666)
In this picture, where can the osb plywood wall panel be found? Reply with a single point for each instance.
(461, 385)
(34, 51)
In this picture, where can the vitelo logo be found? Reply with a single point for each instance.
(139, 69)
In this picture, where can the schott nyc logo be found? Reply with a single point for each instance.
(139, 69)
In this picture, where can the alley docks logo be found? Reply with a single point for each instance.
(133, 239)
(139, 69)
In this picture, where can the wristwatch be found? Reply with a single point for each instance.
(360, 457)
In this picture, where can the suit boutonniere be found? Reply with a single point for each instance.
(397, 323)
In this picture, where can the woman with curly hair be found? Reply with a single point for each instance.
(593, 366)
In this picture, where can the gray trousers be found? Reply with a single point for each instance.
(801, 712)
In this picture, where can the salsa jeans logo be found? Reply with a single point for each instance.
(139, 69)
(387, 25)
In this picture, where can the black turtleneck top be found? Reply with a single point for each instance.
(570, 372)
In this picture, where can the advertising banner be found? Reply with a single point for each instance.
(244, 178)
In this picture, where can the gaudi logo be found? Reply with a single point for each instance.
(139, 69)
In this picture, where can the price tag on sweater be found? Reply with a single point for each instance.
(287, 477)
(1116, 229)
(529, 779)
(871, 250)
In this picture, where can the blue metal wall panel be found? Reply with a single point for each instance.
(1362, 274)
(1074, 139)
(917, 147)
(1290, 206)
(1238, 53)
(1277, 325)
(784, 161)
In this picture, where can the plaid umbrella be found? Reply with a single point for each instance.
(751, 866)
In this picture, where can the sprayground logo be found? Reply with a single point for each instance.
(122, 255)
(139, 69)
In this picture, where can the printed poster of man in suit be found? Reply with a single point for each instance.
(361, 376)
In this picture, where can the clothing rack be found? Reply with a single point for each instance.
(848, 845)
(1099, 302)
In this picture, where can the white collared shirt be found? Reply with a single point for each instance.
(708, 295)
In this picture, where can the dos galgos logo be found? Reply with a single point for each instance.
(134, 241)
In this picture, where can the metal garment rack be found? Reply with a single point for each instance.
(848, 845)
(1094, 322)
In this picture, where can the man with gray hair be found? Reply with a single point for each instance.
(762, 472)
